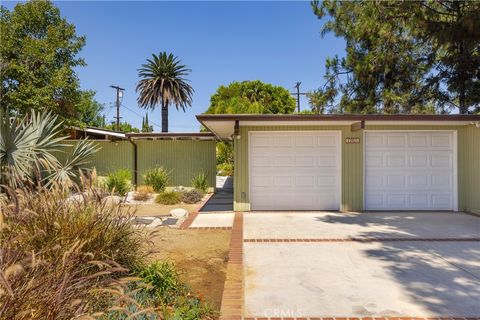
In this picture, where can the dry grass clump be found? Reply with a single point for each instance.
(143, 193)
(145, 189)
(60, 259)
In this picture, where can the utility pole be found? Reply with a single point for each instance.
(119, 95)
(298, 94)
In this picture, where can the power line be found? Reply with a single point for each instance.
(134, 112)
(119, 95)
(298, 94)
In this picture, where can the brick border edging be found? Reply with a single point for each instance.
(364, 318)
(191, 217)
(232, 297)
(210, 228)
(364, 240)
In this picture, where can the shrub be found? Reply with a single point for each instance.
(200, 181)
(30, 148)
(192, 196)
(119, 182)
(158, 178)
(169, 198)
(225, 169)
(141, 196)
(164, 281)
(59, 256)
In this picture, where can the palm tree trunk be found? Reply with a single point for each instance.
(165, 116)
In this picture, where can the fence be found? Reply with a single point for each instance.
(183, 158)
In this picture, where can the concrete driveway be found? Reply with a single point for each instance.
(424, 264)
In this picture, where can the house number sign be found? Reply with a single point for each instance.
(352, 140)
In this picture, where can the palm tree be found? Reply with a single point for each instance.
(162, 82)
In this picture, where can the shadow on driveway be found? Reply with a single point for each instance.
(444, 277)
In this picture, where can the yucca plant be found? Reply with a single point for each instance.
(200, 181)
(28, 147)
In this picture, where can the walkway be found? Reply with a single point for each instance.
(222, 200)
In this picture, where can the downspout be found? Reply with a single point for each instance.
(135, 175)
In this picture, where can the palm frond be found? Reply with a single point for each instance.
(163, 81)
(69, 173)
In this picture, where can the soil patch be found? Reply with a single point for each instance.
(200, 256)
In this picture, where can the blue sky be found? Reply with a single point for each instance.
(275, 42)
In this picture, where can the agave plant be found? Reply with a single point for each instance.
(28, 147)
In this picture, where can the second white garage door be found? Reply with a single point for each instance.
(295, 170)
(412, 170)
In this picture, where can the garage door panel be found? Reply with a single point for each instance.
(327, 181)
(397, 141)
(419, 181)
(442, 141)
(418, 160)
(305, 161)
(418, 200)
(304, 141)
(443, 161)
(440, 200)
(419, 140)
(374, 160)
(396, 160)
(282, 181)
(261, 161)
(396, 181)
(327, 141)
(263, 141)
(417, 175)
(283, 141)
(304, 176)
(327, 161)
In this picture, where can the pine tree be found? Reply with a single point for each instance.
(401, 57)
(146, 127)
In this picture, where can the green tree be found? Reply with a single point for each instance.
(90, 110)
(38, 55)
(401, 56)
(146, 127)
(384, 67)
(123, 127)
(162, 81)
(251, 97)
(452, 30)
(247, 97)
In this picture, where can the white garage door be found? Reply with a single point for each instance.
(410, 170)
(295, 170)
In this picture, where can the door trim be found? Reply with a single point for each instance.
(455, 165)
(339, 134)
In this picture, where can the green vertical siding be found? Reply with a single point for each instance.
(183, 158)
(352, 163)
(470, 167)
(111, 156)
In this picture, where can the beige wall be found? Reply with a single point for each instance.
(352, 163)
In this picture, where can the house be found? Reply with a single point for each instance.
(353, 162)
(95, 133)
